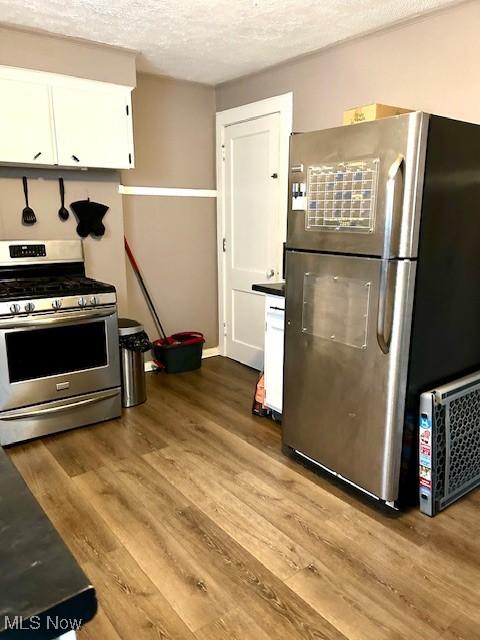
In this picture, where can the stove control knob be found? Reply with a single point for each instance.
(15, 308)
(56, 304)
(82, 302)
(93, 300)
(29, 307)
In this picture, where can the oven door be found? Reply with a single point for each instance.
(57, 355)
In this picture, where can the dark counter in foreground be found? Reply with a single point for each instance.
(43, 591)
(271, 289)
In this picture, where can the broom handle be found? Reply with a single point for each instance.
(143, 286)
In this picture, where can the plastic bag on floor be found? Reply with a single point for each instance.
(258, 407)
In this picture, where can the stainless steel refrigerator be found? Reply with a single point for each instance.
(383, 290)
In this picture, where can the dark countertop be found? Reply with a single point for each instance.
(39, 577)
(272, 289)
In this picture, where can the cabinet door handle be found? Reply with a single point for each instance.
(75, 158)
(37, 155)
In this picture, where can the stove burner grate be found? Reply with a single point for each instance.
(43, 286)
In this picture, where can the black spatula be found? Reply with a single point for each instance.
(28, 215)
(62, 212)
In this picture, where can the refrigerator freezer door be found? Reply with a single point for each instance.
(348, 183)
(344, 396)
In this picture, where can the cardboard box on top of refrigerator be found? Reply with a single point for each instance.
(373, 111)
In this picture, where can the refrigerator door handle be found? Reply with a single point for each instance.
(384, 341)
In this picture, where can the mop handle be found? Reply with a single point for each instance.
(143, 286)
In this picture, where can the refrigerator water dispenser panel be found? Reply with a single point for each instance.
(336, 309)
(341, 196)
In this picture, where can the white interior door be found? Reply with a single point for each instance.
(252, 247)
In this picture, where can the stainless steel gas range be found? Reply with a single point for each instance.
(59, 356)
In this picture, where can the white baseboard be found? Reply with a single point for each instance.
(210, 353)
(207, 353)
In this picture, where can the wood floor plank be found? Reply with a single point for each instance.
(465, 627)
(387, 571)
(208, 402)
(229, 565)
(232, 369)
(81, 450)
(190, 470)
(182, 400)
(181, 577)
(279, 553)
(231, 451)
(427, 581)
(233, 382)
(331, 596)
(275, 607)
(39, 468)
(297, 483)
(100, 628)
(368, 566)
(132, 603)
(234, 625)
(452, 533)
(85, 532)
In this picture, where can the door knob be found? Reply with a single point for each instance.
(270, 273)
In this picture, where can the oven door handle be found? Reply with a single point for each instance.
(66, 318)
(20, 414)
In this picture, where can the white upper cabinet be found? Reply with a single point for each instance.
(93, 127)
(25, 123)
(50, 119)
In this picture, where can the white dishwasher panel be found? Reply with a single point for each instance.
(274, 337)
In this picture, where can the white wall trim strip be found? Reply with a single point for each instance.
(166, 191)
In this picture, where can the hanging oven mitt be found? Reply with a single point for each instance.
(89, 215)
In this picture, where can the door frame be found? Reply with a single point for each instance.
(282, 104)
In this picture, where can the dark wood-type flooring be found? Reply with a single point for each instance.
(191, 524)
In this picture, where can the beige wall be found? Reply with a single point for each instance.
(174, 238)
(431, 64)
(44, 52)
(104, 258)
(174, 129)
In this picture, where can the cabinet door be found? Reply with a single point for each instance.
(26, 135)
(273, 370)
(93, 127)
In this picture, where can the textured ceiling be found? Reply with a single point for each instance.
(212, 41)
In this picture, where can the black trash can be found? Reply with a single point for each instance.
(133, 344)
